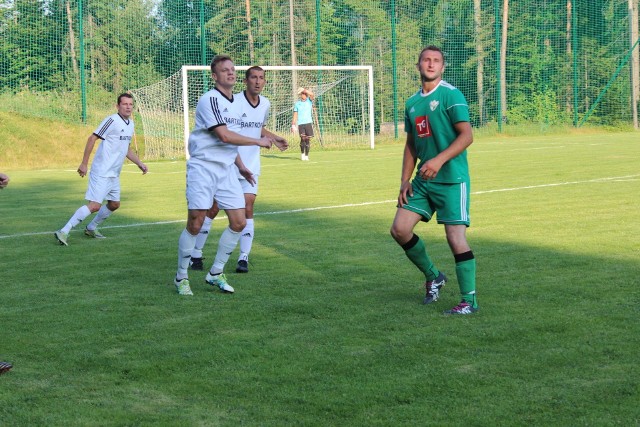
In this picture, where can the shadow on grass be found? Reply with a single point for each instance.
(330, 309)
(287, 156)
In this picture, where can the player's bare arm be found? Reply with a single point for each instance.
(131, 155)
(88, 148)
(465, 137)
(230, 137)
(310, 94)
(409, 161)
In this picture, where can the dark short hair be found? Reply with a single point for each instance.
(254, 68)
(432, 48)
(124, 95)
(218, 59)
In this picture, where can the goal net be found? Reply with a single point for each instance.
(343, 115)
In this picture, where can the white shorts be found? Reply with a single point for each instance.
(207, 181)
(103, 188)
(248, 188)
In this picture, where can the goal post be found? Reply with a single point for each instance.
(344, 106)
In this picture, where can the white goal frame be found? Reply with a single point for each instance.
(185, 88)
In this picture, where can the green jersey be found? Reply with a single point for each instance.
(430, 119)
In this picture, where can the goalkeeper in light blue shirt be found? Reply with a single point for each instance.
(303, 121)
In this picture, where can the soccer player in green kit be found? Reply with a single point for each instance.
(438, 134)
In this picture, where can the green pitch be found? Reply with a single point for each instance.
(328, 326)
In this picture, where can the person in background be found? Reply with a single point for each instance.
(115, 132)
(302, 121)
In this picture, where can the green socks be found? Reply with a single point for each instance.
(417, 253)
(465, 268)
(466, 273)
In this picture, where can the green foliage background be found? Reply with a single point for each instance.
(60, 49)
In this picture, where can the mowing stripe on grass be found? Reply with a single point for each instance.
(351, 205)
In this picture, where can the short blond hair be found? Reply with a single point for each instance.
(218, 59)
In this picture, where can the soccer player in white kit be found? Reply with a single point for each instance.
(255, 114)
(116, 132)
(213, 150)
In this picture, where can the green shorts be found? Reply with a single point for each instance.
(450, 201)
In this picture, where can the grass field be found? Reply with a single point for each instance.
(328, 328)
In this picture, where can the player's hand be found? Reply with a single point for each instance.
(265, 142)
(281, 143)
(82, 170)
(294, 128)
(4, 180)
(430, 169)
(143, 168)
(248, 175)
(405, 188)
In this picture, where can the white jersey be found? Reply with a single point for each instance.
(254, 118)
(215, 109)
(115, 133)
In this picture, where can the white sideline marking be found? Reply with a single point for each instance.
(136, 172)
(528, 187)
(351, 205)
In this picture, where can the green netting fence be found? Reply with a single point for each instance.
(543, 62)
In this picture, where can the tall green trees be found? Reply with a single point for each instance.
(133, 43)
(32, 46)
(121, 44)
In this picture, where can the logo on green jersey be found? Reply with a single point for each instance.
(422, 127)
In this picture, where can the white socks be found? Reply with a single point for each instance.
(226, 245)
(201, 239)
(102, 214)
(82, 213)
(76, 219)
(185, 246)
(246, 240)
